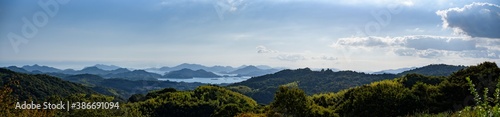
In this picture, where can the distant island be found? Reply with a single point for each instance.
(188, 73)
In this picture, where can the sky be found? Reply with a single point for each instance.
(361, 35)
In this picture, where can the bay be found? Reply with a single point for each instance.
(220, 80)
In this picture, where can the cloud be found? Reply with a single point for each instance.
(324, 57)
(290, 57)
(475, 20)
(263, 49)
(365, 41)
(429, 53)
(328, 58)
(415, 30)
(425, 46)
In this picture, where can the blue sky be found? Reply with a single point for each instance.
(363, 35)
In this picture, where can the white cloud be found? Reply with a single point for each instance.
(475, 20)
(290, 57)
(263, 49)
(426, 46)
(326, 58)
(416, 30)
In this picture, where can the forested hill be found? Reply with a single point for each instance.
(125, 88)
(434, 70)
(38, 87)
(262, 88)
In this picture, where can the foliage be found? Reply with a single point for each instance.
(482, 107)
(291, 101)
(38, 87)
(312, 82)
(125, 88)
(204, 100)
(434, 70)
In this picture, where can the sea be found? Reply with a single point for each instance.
(220, 80)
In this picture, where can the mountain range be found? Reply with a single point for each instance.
(344, 92)
(113, 71)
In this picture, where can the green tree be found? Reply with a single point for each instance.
(290, 101)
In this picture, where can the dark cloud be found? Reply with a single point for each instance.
(475, 20)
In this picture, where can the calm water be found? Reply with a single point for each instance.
(208, 80)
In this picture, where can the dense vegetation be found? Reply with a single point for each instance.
(38, 87)
(262, 88)
(125, 88)
(434, 70)
(473, 91)
(204, 100)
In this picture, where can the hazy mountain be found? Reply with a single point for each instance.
(394, 71)
(17, 69)
(106, 67)
(37, 67)
(135, 75)
(253, 71)
(93, 70)
(434, 70)
(188, 73)
(198, 67)
(119, 70)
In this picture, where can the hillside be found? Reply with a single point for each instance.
(125, 88)
(414, 93)
(38, 87)
(134, 75)
(253, 71)
(262, 88)
(36, 67)
(434, 70)
(294, 94)
(202, 101)
(188, 73)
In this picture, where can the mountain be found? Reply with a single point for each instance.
(37, 67)
(262, 88)
(125, 88)
(188, 73)
(38, 87)
(17, 69)
(394, 71)
(135, 75)
(119, 70)
(219, 69)
(106, 67)
(92, 70)
(434, 70)
(253, 71)
(258, 66)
